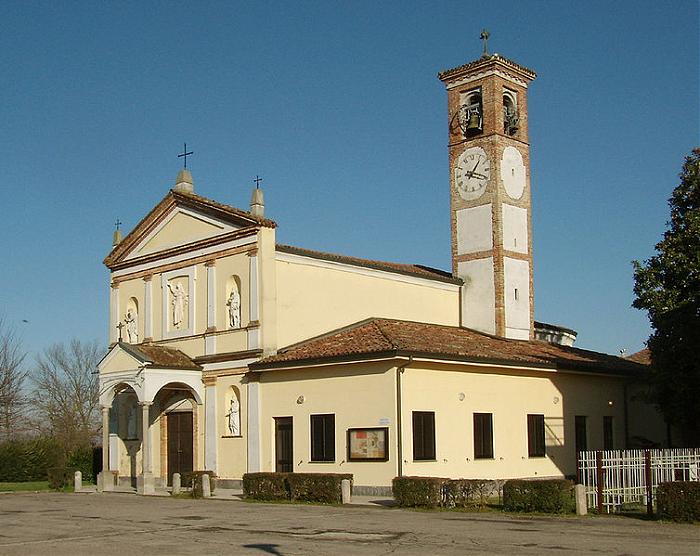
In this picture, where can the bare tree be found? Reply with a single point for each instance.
(12, 376)
(66, 393)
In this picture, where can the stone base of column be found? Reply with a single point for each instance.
(105, 481)
(145, 484)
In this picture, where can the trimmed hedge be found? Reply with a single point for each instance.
(193, 480)
(467, 493)
(28, 459)
(266, 486)
(425, 492)
(61, 477)
(317, 487)
(434, 492)
(308, 487)
(679, 500)
(546, 496)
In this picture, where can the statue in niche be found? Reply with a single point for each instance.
(131, 422)
(132, 328)
(234, 417)
(234, 309)
(178, 302)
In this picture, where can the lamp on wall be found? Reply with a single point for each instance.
(461, 396)
(301, 400)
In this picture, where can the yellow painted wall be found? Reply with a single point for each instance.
(358, 395)
(312, 300)
(510, 398)
(182, 228)
(363, 395)
(232, 452)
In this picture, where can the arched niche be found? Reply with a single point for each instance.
(232, 412)
(511, 118)
(233, 302)
(131, 321)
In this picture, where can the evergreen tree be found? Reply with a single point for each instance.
(667, 286)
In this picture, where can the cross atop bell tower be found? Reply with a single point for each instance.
(491, 219)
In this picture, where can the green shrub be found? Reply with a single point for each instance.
(547, 496)
(61, 478)
(317, 487)
(679, 501)
(466, 493)
(424, 492)
(193, 480)
(266, 486)
(27, 459)
(81, 458)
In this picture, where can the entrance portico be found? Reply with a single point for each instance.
(144, 382)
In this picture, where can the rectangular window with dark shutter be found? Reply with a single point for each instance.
(607, 432)
(535, 436)
(423, 435)
(581, 433)
(323, 437)
(483, 436)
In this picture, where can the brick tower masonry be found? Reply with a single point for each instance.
(490, 209)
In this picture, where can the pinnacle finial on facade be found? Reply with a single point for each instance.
(485, 37)
(184, 182)
(257, 202)
(117, 237)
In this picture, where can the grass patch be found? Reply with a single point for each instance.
(28, 486)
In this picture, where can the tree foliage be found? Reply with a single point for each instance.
(667, 286)
(12, 376)
(66, 394)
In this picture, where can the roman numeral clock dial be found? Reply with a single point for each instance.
(472, 173)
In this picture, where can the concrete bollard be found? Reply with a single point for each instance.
(206, 486)
(581, 502)
(78, 481)
(177, 484)
(346, 491)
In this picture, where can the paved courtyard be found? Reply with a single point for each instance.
(126, 524)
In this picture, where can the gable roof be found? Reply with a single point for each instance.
(160, 356)
(643, 357)
(173, 199)
(375, 338)
(419, 271)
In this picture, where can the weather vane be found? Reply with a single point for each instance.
(185, 154)
(485, 37)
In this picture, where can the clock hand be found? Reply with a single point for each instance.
(475, 166)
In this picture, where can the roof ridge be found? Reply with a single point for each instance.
(376, 322)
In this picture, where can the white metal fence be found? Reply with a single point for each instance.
(616, 477)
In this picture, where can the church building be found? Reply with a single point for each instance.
(232, 353)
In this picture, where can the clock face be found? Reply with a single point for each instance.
(472, 173)
(513, 172)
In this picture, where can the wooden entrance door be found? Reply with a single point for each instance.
(283, 445)
(180, 446)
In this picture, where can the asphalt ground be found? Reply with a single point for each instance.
(131, 525)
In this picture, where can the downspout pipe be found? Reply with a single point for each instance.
(399, 412)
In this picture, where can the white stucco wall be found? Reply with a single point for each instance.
(515, 228)
(474, 229)
(517, 277)
(478, 296)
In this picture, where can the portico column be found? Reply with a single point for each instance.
(146, 436)
(144, 482)
(105, 480)
(105, 438)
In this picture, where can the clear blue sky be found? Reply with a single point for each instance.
(337, 106)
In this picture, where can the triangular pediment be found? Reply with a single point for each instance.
(179, 227)
(181, 220)
(118, 360)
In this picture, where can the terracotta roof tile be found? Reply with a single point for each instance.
(642, 356)
(400, 268)
(389, 337)
(160, 356)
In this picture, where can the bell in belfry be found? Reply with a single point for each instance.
(474, 121)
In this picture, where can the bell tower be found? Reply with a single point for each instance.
(490, 205)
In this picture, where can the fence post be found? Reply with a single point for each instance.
(648, 480)
(599, 479)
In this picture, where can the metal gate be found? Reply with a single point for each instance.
(616, 477)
